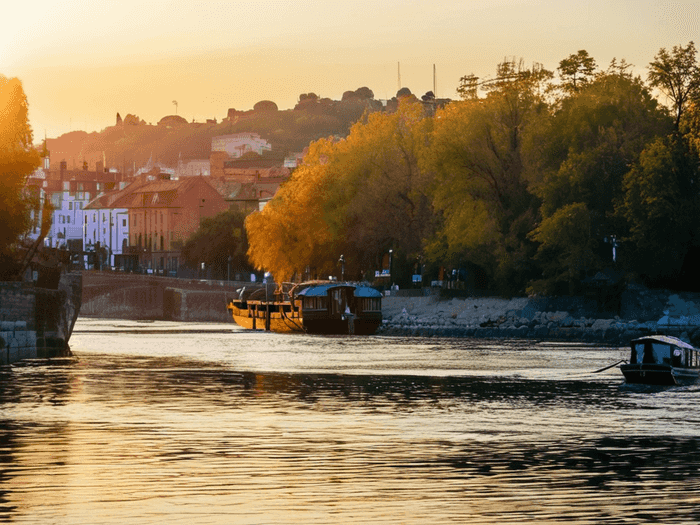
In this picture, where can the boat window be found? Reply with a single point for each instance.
(371, 304)
(637, 353)
(655, 352)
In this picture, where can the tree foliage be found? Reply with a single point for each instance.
(358, 197)
(576, 71)
(677, 75)
(217, 239)
(522, 179)
(662, 207)
(18, 159)
(481, 153)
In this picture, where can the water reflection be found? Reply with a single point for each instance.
(122, 436)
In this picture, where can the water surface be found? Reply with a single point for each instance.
(207, 423)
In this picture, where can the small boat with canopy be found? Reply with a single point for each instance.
(662, 360)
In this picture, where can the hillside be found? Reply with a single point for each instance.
(131, 142)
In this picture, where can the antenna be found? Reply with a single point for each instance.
(399, 71)
(434, 82)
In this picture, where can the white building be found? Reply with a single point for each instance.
(107, 226)
(239, 144)
(67, 228)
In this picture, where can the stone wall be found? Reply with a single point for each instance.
(127, 296)
(195, 305)
(566, 318)
(37, 322)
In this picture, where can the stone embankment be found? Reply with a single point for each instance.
(641, 312)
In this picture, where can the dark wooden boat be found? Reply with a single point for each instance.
(662, 360)
(319, 307)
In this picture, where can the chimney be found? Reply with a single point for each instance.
(99, 166)
(64, 167)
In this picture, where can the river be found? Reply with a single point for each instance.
(157, 422)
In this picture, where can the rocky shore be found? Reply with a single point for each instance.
(640, 312)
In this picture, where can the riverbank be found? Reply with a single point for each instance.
(641, 312)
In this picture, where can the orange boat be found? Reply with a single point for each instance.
(319, 307)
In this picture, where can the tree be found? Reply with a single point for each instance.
(676, 75)
(359, 197)
(217, 239)
(576, 71)
(18, 159)
(566, 250)
(481, 153)
(662, 206)
(590, 144)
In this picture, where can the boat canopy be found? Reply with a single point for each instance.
(321, 290)
(666, 340)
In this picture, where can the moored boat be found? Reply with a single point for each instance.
(320, 307)
(662, 360)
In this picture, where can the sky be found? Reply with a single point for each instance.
(82, 61)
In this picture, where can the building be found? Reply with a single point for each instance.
(193, 168)
(162, 215)
(239, 144)
(69, 192)
(106, 231)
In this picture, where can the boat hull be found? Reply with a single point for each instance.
(655, 374)
(259, 319)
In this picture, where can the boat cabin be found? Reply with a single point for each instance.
(664, 350)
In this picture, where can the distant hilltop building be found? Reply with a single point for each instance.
(238, 144)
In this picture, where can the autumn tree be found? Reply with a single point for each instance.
(357, 197)
(379, 194)
(291, 233)
(482, 151)
(677, 75)
(218, 238)
(18, 159)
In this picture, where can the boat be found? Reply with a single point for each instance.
(662, 360)
(317, 307)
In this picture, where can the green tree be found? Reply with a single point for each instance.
(566, 250)
(594, 137)
(677, 75)
(217, 239)
(662, 206)
(18, 159)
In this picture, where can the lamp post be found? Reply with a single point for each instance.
(342, 267)
(391, 257)
(228, 275)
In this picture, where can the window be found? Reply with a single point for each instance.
(124, 223)
(70, 205)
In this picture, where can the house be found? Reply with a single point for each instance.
(162, 214)
(106, 230)
(69, 192)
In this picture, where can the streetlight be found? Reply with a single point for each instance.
(391, 256)
(342, 267)
(228, 275)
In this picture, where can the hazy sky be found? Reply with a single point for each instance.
(82, 61)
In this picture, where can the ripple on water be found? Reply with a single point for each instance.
(221, 426)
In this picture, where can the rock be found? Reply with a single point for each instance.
(601, 324)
